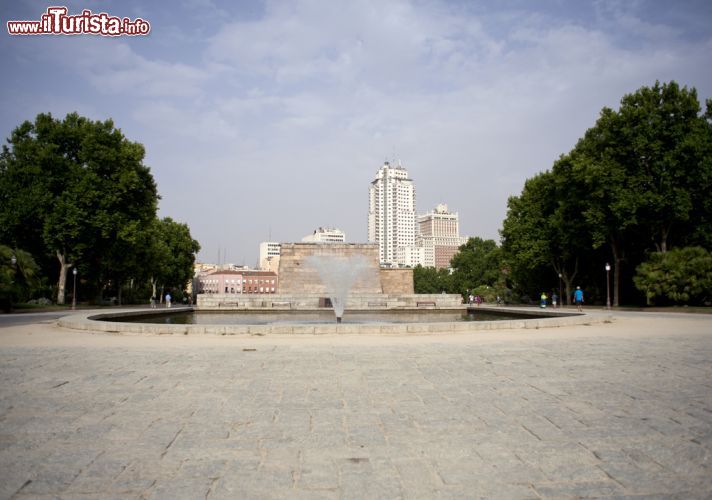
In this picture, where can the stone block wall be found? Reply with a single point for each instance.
(297, 276)
(397, 281)
(312, 301)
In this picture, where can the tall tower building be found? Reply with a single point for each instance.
(439, 236)
(391, 212)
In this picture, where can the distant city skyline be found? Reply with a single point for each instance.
(265, 119)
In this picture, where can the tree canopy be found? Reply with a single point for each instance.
(76, 193)
(636, 182)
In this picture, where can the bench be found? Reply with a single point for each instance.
(377, 304)
(426, 303)
(282, 304)
(227, 304)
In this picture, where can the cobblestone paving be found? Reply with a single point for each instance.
(586, 417)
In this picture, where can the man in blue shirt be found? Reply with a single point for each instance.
(578, 298)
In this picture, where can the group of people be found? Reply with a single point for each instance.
(577, 297)
(477, 300)
(168, 299)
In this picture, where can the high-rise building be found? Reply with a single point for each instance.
(325, 235)
(391, 212)
(269, 256)
(439, 236)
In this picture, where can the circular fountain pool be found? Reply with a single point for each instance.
(318, 317)
(156, 322)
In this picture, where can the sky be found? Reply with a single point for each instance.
(264, 120)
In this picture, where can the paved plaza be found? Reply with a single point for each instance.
(615, 410)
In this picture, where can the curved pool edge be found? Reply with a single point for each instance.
(93, 322)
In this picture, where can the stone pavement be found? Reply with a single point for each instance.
(621, 411)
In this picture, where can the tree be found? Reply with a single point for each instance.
(18, 276)
(431, 280)
(681, 275)
(78, 190)
(181, 249)
(478, 262)
(646, 169)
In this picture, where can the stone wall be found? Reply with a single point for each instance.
(312, 301)
(297, 276)
(397, 281)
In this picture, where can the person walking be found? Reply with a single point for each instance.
(578, 298)
(153, 301)
(554, 300)
(543, 300)
(168, 300)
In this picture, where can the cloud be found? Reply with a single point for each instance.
(282, 115)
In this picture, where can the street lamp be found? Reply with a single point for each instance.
(608, 286)
(74, 293)
(561, 297)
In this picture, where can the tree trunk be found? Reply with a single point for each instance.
(662, 246)
(154, 284)
(568, 280)
(62, 284)
(618, 259)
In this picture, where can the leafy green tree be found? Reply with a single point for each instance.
(431, 280)
(681, 275)
(543, 234)
(478, 262)
(77, 190)
(19, 276)
(646, 169)
(177, 270)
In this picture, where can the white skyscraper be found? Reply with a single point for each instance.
(391, 213)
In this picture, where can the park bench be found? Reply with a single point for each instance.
(425, 303)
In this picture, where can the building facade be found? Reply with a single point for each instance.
(269, 256)
(325, 235)
(238, 282)
(391, 213)
(439, 236)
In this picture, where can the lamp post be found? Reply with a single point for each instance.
(608, 286)
(74, 293)
(561, 297)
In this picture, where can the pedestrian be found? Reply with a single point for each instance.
(478, 300)
(554, 300)
(578, 298)
(153, 301)
(168, 300)
(471, 299)
(543, 300)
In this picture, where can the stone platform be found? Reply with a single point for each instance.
(226, 301)
(617, 410)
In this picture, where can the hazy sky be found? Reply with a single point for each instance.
(271, 118)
